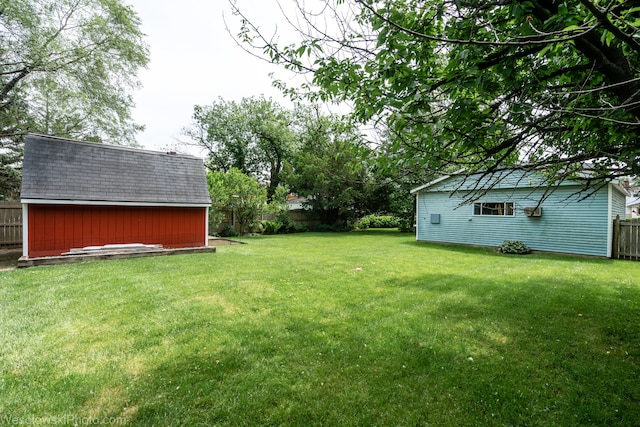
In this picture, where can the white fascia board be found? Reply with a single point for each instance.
(110, 203)
(435, 181)
(429, 184)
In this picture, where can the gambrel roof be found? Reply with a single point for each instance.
(58, 169)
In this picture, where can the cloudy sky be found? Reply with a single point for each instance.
(194, 60)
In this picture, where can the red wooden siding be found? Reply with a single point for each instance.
(54, 229)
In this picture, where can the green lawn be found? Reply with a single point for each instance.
(365, 328)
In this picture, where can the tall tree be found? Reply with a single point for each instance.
(547, 85)
(67, 68)
(333, 168)
(253, 135)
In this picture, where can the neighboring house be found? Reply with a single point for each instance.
(77, 194)
(565, 221)
(633, 202)
(633, 207)
(297, 203)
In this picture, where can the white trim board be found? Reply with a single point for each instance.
(110, 203)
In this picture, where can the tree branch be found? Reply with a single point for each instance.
(606, 23)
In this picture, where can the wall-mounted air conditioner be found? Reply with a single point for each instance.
(533, 211)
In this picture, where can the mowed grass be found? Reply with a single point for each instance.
(364, 328)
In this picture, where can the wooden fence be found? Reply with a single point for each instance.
(626, 239)
(302, 217)
(10, 224)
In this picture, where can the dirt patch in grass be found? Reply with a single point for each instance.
(218, 241)
(9, 257)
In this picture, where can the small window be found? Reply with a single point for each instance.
(493, 208)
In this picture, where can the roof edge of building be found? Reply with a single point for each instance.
(114, 146)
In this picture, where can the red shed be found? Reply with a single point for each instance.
(77, 194)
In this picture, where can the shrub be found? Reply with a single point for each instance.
(287, 225)
(301, 228)
(228, 231)
(269, 227)
(514, 247)
(378, 221)
(364, 223)
(279, 225)
(406, 225)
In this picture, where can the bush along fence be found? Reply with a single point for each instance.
(626, 239)
(304, 219)
(10, 224)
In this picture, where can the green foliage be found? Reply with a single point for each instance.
(546, 85)
(514, 247)
(252, 135)
(73, 63)
(270, 227)
(405, 225)
(67, 68)
(281, 225)
(228, 231)
(237, 193)
(333, 168)
(378, 221)
(287, 225)
(10, 177)
(321, 157)
(278, 207)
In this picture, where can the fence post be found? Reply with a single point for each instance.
(616, 238)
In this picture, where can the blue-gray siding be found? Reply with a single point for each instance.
(567, 224)
(618, 205)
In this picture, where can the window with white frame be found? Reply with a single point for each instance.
(493, 209)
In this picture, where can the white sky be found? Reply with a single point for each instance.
(194, 60)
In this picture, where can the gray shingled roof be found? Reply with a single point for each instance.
(62, 169)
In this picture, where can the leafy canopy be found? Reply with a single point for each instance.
(67, 68)
(252, 135)
(321, 157)
(333, 169)
(547, 85)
